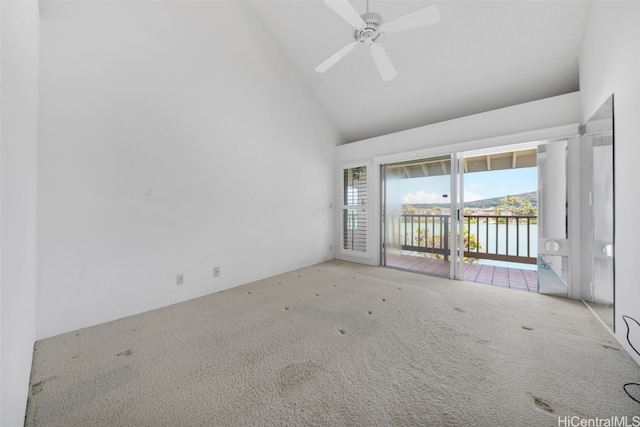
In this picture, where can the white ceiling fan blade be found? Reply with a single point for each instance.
(346, 11)
(329, 62)
(385, 67)
(426, 16)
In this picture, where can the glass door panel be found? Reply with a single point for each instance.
(417, 215)
(392, 217)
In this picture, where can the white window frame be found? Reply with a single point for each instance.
(366, 207)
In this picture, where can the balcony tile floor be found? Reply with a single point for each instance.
(512, 278)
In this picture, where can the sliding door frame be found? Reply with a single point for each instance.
(457, 216)
(456, 220)
(379, 155)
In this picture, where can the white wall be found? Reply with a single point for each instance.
(534, 121)
(18, 145)
(175, 137)
(610, 63)
(511, 124)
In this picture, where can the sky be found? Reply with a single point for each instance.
(477, 186)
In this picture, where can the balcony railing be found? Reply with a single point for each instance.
(495, 237)
(423, 233)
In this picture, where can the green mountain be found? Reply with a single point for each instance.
(495, 202)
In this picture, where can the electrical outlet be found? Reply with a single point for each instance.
(216, 271)
(180, 280)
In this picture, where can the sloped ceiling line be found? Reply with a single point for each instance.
(481, 56)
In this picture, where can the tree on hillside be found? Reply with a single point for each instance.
(510, 203)
(516, 206)
(408, 210)
(526, 209)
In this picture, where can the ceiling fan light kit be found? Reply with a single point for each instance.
(369, 27)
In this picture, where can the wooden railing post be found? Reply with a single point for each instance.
(431, 246)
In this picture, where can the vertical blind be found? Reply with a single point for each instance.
(354, 209)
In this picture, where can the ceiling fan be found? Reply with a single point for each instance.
(369, 27)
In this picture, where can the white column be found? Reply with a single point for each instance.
(554, 197)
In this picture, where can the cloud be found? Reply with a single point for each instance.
(472, 197)
(473, 185)
(422, 197)
(486, 188)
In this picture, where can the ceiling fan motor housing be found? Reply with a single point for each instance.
(369, 33)
(368, 28)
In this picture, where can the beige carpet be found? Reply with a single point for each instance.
(338, 344)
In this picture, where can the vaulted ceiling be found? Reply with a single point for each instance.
(481, 56)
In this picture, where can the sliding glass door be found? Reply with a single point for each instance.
(535, 216)
(491, 237)
(420, 215)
